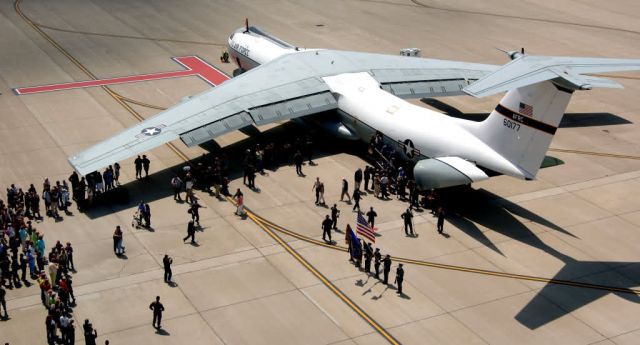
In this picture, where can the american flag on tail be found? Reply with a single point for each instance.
(525, 109)
(364, 229)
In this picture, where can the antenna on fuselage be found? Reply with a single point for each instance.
(246, 25)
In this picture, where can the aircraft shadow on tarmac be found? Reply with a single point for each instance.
(569, 120)
(555, 301)
(468, 207)
(157, 186)
(552, 301)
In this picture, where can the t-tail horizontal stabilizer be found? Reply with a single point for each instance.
(565, 72)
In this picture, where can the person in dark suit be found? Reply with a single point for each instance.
(326, 228)
(399, 278)
(386, 264)
(157, 308)
(335, 213)
(145, 164)
(138, 164)
(441, 216)
(356, 198)
(377, 260)
(407, 216)
(368, 255)
(371, 217)
(167, 261)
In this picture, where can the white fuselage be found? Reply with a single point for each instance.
(253, 47)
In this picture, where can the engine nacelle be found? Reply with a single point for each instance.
(434, 173)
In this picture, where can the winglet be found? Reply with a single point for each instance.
(566, 72)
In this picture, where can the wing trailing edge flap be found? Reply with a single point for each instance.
(261, 115)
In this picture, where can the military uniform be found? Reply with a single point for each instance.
(378, 258)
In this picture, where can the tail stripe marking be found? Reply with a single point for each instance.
(525, 120)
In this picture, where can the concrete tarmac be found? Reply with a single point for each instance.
(579, 221)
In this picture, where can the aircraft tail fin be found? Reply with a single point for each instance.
(522, 125)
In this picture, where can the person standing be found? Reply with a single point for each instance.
(367, 177)
(138, 164)
(117, 241)
(50, 325)
(377, 259)
(386, 268)
(316, 188)
(326, 228)
(239, 202)
(116, 173)
(371, 217)
(368, 255)
(71, 333)
(297, 160)
(157, 308)
(357, 178)
(349, 242)
(356, 198)
(407, 216)
(441, 216)
(176, 184)
(3, 302)
(69, 251)
(399, 278)
(335, 213)
(359, 254)
(147, 215)
(145, 164)
(191, 232)
(345, 190)
(64, 322)
(167, 261)
(90, 334)
(188, 186)
(23, 268)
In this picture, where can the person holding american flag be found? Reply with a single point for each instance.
(363, 229)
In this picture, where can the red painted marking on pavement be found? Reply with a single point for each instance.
(193, 64)
(204, 70)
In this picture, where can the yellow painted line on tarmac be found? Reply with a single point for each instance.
(383, 332)
(462, 268)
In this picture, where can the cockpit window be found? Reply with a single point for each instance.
(231, 37)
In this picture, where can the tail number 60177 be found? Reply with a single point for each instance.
(511, 124)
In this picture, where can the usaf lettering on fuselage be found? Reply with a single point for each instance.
(240, 49)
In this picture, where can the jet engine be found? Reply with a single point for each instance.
(433, 173)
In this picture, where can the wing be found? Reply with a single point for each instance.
(288, 87)
(565, 71)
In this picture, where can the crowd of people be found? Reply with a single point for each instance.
(22, 248)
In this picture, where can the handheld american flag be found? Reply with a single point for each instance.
(364, 229)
